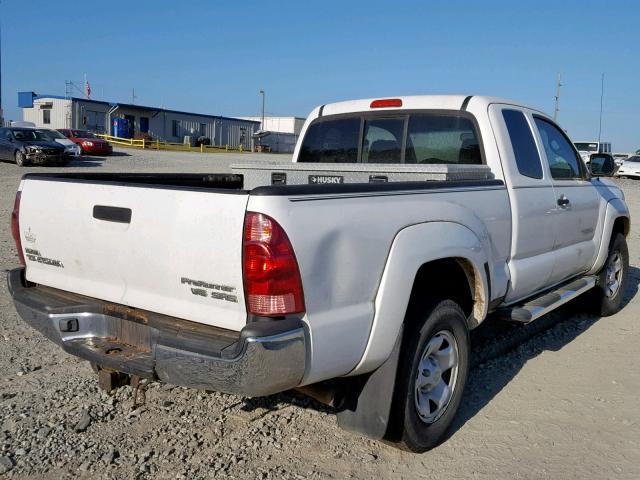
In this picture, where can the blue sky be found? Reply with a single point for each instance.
(214, 57)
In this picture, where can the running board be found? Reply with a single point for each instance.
(539, 306)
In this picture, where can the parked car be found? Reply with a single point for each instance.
(354, 274)
(89, 143)
(589, 148)
(71, 149)
(630, 168)
(619, 158)
(21, 124)
(27, 146)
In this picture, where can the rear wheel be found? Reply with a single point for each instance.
(21, 160)
(431, 376)
(612, 279)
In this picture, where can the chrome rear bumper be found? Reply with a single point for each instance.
(264, 358)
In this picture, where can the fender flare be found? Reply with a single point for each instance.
(413, 247)
(616, 208)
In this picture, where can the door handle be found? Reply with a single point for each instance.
(563, 201)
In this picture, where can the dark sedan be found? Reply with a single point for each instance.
(27, 146)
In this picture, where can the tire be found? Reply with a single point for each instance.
(21, 161)
(418, 423)
(612, 280)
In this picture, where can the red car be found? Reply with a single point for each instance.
(88, 142)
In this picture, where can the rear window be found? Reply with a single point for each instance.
(586, 147)
(83, 134)
(442, 139)
(415, 139)
(382, 140)
(331, 141)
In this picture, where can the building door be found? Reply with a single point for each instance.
(144, 124)
(131, 119)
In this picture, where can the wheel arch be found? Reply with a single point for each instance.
(617, 220)
(427, 261)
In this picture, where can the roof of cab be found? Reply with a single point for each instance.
(415, 102)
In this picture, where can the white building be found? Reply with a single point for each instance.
(50, 111)
(280, 124)
(279, 133)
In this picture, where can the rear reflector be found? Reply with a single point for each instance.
(272, 283)
(15, 227)
(385, 103)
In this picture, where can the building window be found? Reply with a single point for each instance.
(203, 129)
(175, 128)
(46, 116)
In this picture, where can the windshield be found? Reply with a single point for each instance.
(82, 134)
(586, 147)
(635, 158)
(28, 135)
(50, 134)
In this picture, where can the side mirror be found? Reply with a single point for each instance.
(601, 165)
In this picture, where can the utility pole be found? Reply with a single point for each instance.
(133, 96)
(262, 124)
(601, 99)
(557, 97)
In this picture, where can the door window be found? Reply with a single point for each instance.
(524, 146)
(564, 162)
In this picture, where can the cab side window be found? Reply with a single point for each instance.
(524, 146)
(564, 162)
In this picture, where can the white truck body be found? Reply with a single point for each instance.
(359, 247)
(588, 148)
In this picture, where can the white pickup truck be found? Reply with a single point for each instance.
(354, 274)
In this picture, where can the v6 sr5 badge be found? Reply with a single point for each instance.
(211, 290)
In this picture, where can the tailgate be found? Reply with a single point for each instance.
(179, 254)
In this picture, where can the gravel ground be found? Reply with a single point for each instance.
(555, 399)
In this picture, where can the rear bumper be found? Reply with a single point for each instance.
(264, 358)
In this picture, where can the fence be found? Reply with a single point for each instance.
(158, 145)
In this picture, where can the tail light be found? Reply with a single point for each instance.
(272, 283)
(15, 227)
